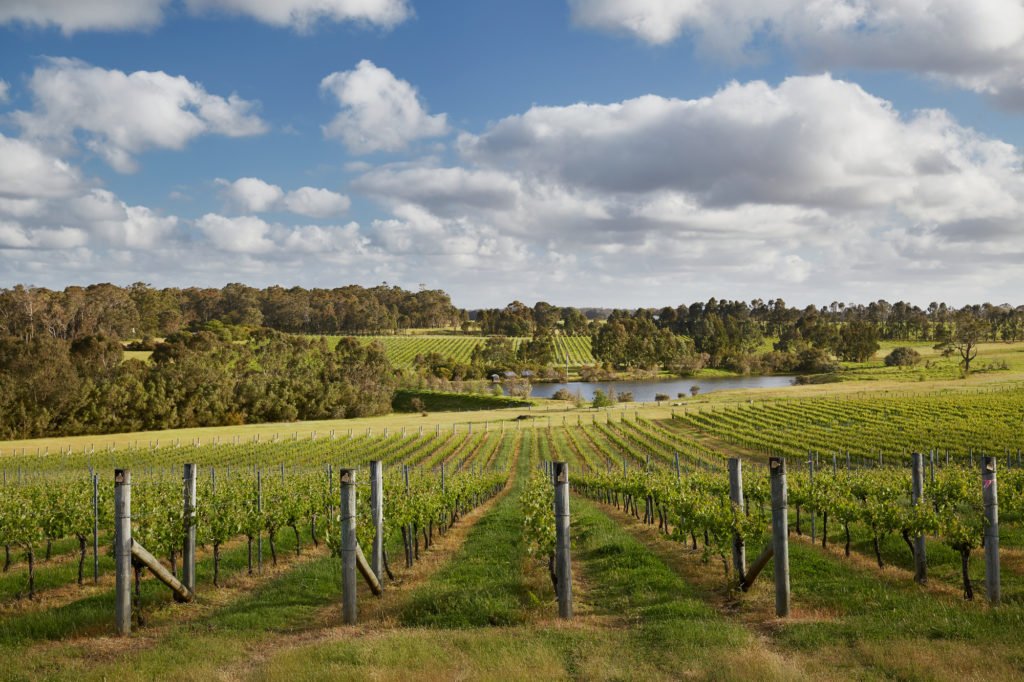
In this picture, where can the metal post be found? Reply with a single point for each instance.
(991, 499)
(679, 475)
(442, 478)
(188, 554)
(377, 513)
(780, 534)
(739, 551)
(259, 508)
(95, 528)
(348, 545)
(563, 561)
(917, 494)
(810, 471)
(123, 550)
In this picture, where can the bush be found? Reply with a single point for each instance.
(563, 394)
(902, 357)
(601, 399)
(815, 361)
(662, 397)
(626, 397)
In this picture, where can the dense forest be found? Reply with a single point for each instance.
(140, 310)
(228, 376)
(245, 355)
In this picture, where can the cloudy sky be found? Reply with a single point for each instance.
(584, 152)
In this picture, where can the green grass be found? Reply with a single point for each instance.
(440, 401)
(483, 584)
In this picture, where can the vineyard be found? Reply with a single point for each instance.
(402, 350)
(655, 526)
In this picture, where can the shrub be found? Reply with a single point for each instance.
(902, 357)
(626, 397)
(662, 397)
(601, 399)
(563, 394)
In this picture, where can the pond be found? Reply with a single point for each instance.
(645, 391)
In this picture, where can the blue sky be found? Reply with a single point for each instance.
(588, 152)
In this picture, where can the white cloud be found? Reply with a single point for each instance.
(316, 202)
(123, 114)
(809, 185)
(811, 141)
(123, 226)
(244, 234)
(378, 111)
(76, 15)
(977, 45)
(253, 195)
(4, 88)
(26, 172)
(302, 15)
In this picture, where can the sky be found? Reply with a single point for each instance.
(613, 153)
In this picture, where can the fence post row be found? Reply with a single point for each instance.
(349, 610)
(123, 550)
(991, 499)
(377, 513)
(780, 534)
(917, 493)
(563, 561)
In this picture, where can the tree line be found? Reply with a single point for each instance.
(140, 310)
(217, 376)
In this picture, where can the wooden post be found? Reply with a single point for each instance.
(95, 528)
(188, 554)
(739, 551)
(181, 593)
(442, 478)
(349, 610)
(377, 514)
(123, 550)
(991, 498)
(917, 493)
(780, 534)
(679, 475)
(563, 561)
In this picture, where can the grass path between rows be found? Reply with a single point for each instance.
(224, 632)
(850, 620)
(489, 614)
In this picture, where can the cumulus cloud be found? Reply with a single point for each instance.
(123, 114)
(379, 112)
(976, 45)
(120, 225)
(244, 234)
(27, 171)
(254, 195)
(251, 195)
(795, 186)
(251, 235)
(71, 16)
(812, 141)
(302, 15)
(315, 202)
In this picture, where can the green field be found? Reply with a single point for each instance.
(479, 605)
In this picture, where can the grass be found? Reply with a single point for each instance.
(441, 401)
(483, 584)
